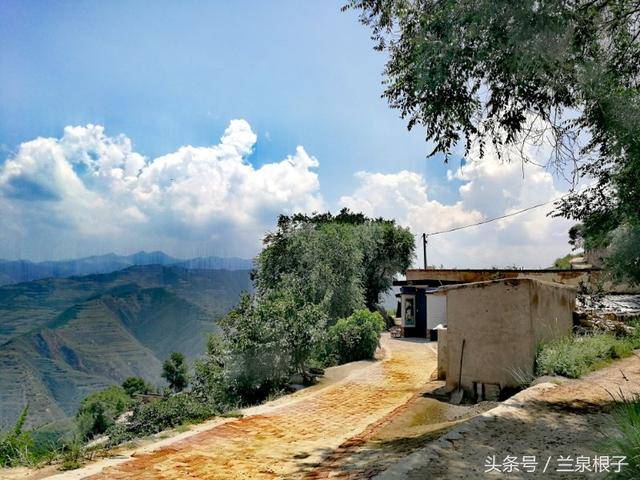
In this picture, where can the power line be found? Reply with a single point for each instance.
(425, 236)
(489, 220)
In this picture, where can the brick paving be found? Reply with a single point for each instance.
(296, 438)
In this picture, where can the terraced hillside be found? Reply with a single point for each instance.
(64, 338)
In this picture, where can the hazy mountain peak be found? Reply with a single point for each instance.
(17, 271)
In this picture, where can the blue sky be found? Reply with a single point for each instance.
(173, 73)
(284, 98)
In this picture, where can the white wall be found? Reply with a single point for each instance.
(436, 311)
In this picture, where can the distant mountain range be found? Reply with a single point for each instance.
(16, 271)
(63, 338)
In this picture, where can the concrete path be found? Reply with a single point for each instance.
(294, 436)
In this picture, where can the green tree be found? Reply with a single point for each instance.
(624, 258)
(504, 74)
(175, 372)
(303, 324)
(208, 380)
(133, 385)
(100, 410)
(387, 251)
(258, 362)
(269, 337)
(346, 260)
(326, 258)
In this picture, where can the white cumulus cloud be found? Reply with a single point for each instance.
(88, 192)
(490, 188)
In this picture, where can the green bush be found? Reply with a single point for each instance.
(147, 419)
(31, 448)
(267, 338)
(208, 383)
(578, 355)
(72, 456)
(133, 385)
(356, 337)
(99, 411)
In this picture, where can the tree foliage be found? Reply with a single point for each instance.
(344, 261)
(133, 385)
(175, 372)
(624, 254)
(312, 271)
(208, 380)
(506, 73)
(100, 410)
(268, 338)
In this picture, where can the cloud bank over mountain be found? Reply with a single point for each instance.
(90, 189)
(88, 192)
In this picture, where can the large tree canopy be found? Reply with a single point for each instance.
(313, 271)
(342, 261)
(504, 73)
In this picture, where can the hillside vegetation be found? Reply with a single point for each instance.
(65, 338)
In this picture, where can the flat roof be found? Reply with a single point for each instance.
(448, 276)
(510, 270)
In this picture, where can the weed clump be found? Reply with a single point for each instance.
(577, 355)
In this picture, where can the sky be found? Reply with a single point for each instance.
(189, 126)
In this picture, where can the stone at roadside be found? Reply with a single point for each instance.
(555, 379)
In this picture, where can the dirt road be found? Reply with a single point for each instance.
(554, 425)
(293, 436)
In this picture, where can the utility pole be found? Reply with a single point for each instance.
(424, 249)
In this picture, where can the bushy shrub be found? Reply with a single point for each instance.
(31, 448)
(256, 358)
(578, 355)
(269, 337)
(134, 385)
(72, 456)
(356, 337)
(99, 411)
(147, 419)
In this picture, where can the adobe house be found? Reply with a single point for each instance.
(420, 309)
(501, 323)
(500, 315)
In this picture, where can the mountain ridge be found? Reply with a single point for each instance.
(64, 338)
(19, 271)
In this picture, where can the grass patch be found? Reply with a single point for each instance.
(232, 414)
(577, 355)
(626, 440)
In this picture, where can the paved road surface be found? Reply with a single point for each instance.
(291, 439)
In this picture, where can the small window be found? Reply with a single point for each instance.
(409, 313)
